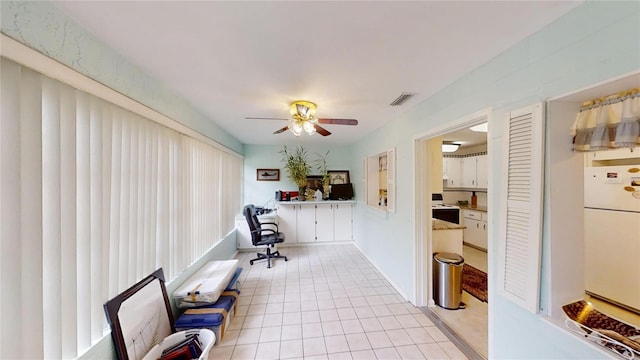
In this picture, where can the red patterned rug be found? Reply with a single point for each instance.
(474, 282)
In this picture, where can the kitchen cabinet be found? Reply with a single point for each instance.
(482, 171)
(468, 169)
(468, 172)
(475, 232)
(451, 168)
(311, 221)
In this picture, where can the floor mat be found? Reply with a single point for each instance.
(474, 281)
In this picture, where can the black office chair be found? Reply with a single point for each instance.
(262, 237)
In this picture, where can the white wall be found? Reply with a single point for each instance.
(595, 42)
(261, 193)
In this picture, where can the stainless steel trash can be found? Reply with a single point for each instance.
(447, 280)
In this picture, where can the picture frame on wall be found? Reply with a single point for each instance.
(338, 177)
(268, 174)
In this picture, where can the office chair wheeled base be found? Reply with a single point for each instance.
(269, 255)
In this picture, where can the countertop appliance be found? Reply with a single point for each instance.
(439, 210)
(612, 234)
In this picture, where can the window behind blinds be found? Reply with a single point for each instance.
(92, 198)
(520, 239)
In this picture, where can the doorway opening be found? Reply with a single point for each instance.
(438, 179)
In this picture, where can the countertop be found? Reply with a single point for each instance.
(445, 225)
(469, 207)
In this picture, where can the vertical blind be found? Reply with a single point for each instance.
(92, 198)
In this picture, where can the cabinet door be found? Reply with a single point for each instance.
(482, 171)
(453, 166)
(470, 233)
(306, 223)
(324, 222)
(287, 222)
(483, 239)
(343, 222)
(469, 175)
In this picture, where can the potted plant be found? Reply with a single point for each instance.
(295, 161)
(321, 165)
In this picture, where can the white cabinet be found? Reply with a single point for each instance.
(324, 222)
(469, 167)
(311, 221)
(288, 222)
(475, 232)
(342, 222)
(306, 229)
(467, 172)
(451, 170)
(482, 172)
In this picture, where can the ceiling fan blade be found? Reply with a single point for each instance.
(281, 130)
(264, 118)
(338, 121)
(322, 131)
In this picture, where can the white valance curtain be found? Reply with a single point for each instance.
(94, 197)
(608, 123)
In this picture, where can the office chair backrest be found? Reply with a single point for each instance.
(249, 212)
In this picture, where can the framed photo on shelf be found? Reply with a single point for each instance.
(314, 182)
(268, 174)
(338, 177)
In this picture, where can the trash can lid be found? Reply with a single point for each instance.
(449, 258)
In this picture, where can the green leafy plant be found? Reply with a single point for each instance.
(321, 165)
(295, 161)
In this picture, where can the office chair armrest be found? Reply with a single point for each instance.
(261, 231)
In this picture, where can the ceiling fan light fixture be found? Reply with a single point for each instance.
(308, 127)
(295, 128)
(302, 110)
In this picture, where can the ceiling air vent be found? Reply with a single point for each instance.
(401, 99)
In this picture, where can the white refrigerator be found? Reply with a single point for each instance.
(612, 233)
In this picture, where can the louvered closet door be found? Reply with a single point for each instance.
(520, 228)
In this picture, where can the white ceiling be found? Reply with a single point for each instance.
(240, 59)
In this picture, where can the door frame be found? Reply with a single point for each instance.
(422, 181)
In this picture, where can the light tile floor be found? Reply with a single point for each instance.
(326, 302)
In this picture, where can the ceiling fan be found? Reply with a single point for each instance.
(303, 119)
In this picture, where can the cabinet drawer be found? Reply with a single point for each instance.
(485, 217)
(470, 214)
